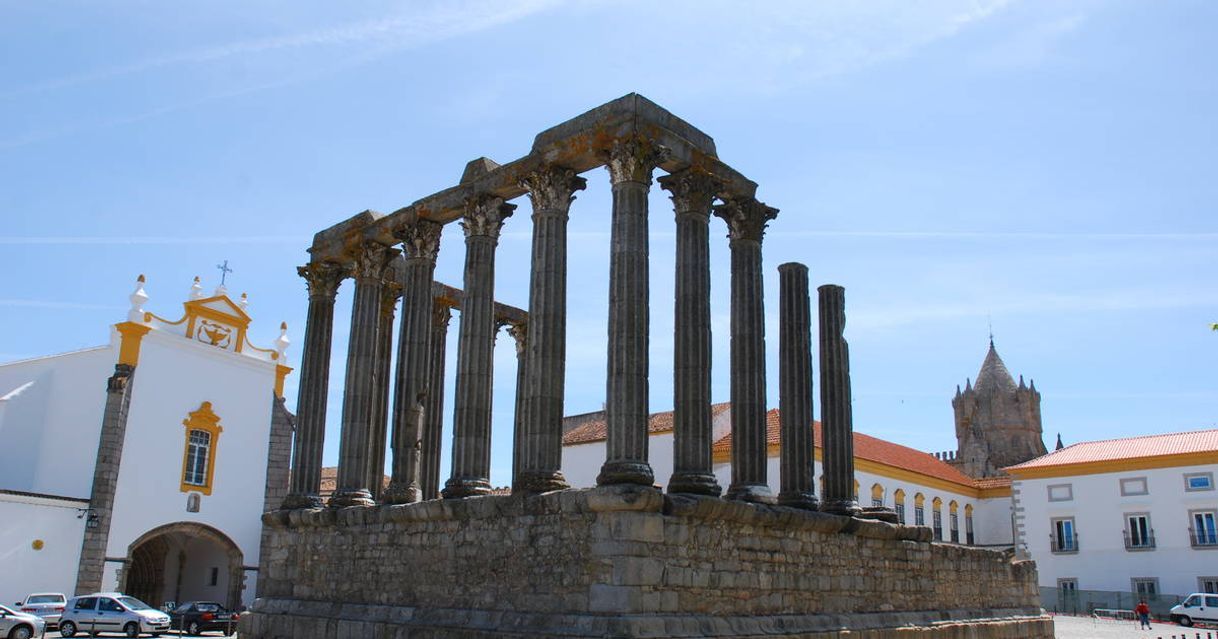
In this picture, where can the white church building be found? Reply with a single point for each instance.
(143, 465)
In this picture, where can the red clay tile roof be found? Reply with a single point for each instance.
(595, 430)
(992, 482)
(1192, 442)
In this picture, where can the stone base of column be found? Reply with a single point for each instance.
(807, 501)
(402, 494)
(539, 481)
(461, 487)
(626, 472)
(880, 513)
(847, 507)
(754, 493)
(295, 502)
(357, 497)
(694, 483)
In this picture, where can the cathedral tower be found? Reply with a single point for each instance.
(997, 421)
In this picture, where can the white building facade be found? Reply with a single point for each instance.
(144, 465)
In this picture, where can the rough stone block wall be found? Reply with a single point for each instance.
(628, 563)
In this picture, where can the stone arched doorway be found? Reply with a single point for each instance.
(184, 561)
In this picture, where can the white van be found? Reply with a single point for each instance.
(1199, 606)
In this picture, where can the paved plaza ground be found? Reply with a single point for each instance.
(1087, 628)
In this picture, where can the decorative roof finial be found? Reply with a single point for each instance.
(196, 289)
(138, 297)
(282, 343)
(245, 301)
(224, 271)
(990, 322)
(1059, 442)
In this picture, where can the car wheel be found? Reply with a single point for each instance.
(21, 632)
(1185, 621)
(132, 629)
(67, 629)
(193, 630)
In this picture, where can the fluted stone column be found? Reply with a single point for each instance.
(421, 243)
(746, 221)
(359, 404)
(390, 293)
(471, 465)
(323, 279)
(836, 418)
(795, 388)
(540, 412)
(692, 196)
(520, 335)
(630, 164)
(433, 412)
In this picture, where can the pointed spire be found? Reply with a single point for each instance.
(282, 343)
(196, 289)
(138, 297)
(1059, 442)
(957, 390)
(968, 385)
(1021, 384)
(994, 375)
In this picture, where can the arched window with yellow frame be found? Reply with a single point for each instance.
(877, 495)
(919, 509)
(954, 521)
(898, 504)
(968, 525)
(937, 521)
(199, 454)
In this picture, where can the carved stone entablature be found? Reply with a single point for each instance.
(746, 218)
(519, 333)
(633, 159)
(372, 259)
(420, 240)
(484, 216)
(322, 278)
(692, 192)
(553, 188)
(440, 315)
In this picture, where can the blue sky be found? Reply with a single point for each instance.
(1047, 166)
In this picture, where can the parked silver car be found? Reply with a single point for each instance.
(20, 625)
(111, 612)
(48, 605)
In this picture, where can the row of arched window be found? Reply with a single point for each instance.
(919, 512)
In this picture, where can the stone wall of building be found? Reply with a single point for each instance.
(627, 562)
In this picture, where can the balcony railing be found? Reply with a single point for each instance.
(1065, 545)
(1140, 541)
(1203, 538)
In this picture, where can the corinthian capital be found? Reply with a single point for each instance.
(552, 188)
(391, 292)
(484, 216)
(692, 191)
(420, 240)
(519, 332)
(372, 260)
(633, 159)
(746, 218)
(322, 278)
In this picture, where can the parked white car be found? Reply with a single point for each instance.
(111, 612)
(1199, 606)
(48, 605)
(20, 625)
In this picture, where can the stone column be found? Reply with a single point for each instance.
(630, 164)
(836, 418)
(371, 261)
(322, 279)
(519, 333)
(746, 221)
(390, 292)
(795, 387)
(421, 243)
(692, 196)
(540, 413)
(433, 411)
(471, 466)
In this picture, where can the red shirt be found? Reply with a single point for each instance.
(1142, 609)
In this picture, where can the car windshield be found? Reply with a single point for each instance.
(208, 607)
(37, 599)
(134, 604)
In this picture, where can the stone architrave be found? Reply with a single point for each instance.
(693, 193)
(390, 293)
(746, 221)
(471, 462)
(322, 279)
(836, 418)
(359, 404)
(433, 411)
(630, 163)
(421, 244)
(797, 486)
(540, 411)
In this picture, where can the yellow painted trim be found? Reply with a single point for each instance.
(207, 421)
(1115, 465)
(937, 503)
(994, 493)
(919, 500)
(149, 316)
(968, 510)
(131, 335)
(953, 506)
(281, 373)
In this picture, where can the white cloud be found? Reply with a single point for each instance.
(1031, 46)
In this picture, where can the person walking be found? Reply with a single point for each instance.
(1143, 611)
